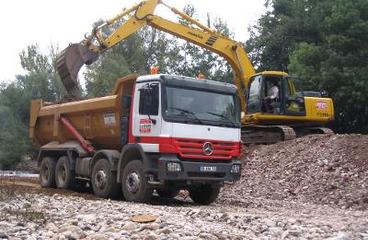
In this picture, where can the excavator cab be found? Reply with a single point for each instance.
(273, 94)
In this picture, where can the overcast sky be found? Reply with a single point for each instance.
(46, 22)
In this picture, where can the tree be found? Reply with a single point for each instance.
(39, 81)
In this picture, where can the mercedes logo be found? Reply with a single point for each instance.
(207, 148)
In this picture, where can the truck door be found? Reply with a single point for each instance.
(147, 115)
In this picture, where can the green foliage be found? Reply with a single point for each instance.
(40, 81)
(325, 44)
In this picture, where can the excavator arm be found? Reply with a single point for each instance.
(140, 15)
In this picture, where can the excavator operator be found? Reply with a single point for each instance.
(271, 100)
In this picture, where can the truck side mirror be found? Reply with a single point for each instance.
(126, 101)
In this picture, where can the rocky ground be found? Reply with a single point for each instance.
(309, 188)
(319, 169)
(60, 216)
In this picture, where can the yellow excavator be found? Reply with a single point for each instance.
(272, 109)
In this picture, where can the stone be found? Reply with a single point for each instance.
(152, 226)
(51, 227)
(151, 236)
(129, 226)
(342, 236)
(165, 231)
(144, 218)
(207, 236)
(3, 236)
(98, 236)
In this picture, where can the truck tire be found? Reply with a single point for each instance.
(47, 172)
(205, 194)
(64, 176)
(134, 184)
(103, 180)
(167, 193)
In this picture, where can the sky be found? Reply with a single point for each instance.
(46, 22)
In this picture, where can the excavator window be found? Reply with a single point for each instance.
(254, 102)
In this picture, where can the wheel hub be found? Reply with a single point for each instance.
(62, 174)
(133, 182)
(101, 179)
(45, 173)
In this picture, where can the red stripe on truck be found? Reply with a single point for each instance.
(192, 148)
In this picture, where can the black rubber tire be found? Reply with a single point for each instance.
(103, 180)
(47, 172)
(64, 176)
(205, 194)
(167, 193)
(143, 191)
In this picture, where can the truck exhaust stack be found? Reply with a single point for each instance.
(70, 61)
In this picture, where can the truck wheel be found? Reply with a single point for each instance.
(64, 176)
(167, 193)
(104, 180)
(206, 194)
(47, 172)
(134, 184)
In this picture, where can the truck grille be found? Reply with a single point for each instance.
(193, 149)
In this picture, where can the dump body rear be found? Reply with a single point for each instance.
(97, 119)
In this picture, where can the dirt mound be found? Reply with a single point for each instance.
(321, 169)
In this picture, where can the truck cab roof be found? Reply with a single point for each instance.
(189, 82)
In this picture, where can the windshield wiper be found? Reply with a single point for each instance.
(188, 112)
(223, 117)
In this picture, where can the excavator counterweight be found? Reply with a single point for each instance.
(70, 61)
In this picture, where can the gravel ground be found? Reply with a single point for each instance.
(308, 188)
(320, 169)
(60, 216)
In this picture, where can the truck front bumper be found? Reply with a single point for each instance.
(172, 168)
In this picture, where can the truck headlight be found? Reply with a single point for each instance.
(173, 167)
(235, 168)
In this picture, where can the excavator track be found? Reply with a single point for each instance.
(262, 134)
(313, 130)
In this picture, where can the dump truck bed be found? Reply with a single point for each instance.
(96, 119)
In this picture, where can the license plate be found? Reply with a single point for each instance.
(208, 168)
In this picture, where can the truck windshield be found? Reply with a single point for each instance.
(201, 107)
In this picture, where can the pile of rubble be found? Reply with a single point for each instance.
(320, 169)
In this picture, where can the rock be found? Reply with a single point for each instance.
(51, 227)
(98, 236)
(207, 236)
(89, 218)
(342, 236)
(165, 231)
(152, 226)
(129, 226)
(72, 231)
(3, 236)
(144, 218)
(151, 236)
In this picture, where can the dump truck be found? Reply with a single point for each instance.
(161, 133)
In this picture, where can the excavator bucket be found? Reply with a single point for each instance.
(70, 61)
